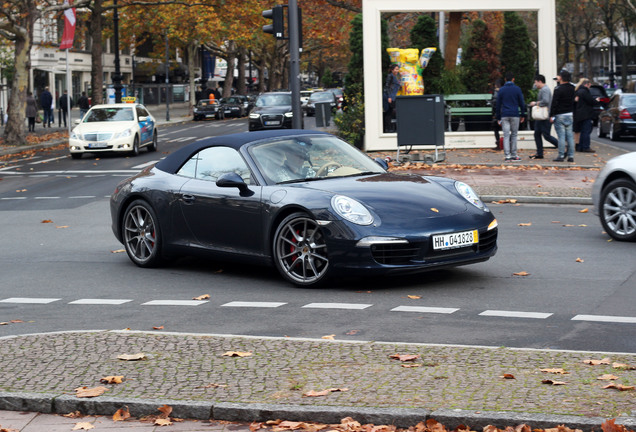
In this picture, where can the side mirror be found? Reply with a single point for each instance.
(383, 163)
(232, 179)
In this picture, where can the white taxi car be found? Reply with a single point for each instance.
(123, 127)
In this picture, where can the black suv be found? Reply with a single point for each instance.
(272, 110)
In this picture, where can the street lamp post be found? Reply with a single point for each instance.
(117, 76)
(167, 80)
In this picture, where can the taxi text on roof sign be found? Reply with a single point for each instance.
(129, 99)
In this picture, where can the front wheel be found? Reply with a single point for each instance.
(300, 251)
(153, 145)
(135, 147)
(618, 210)
(142, 235)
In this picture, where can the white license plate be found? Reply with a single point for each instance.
(455, 240)
(98, 145)
(272, 123)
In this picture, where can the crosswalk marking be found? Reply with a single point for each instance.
(100, 301)
(357, 306)
(253, 304)
(515, 314)
(605, 318)
(30, 300)
(174, 303)
(423, 309)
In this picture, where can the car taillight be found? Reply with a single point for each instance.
(625, 115)
(604, 100)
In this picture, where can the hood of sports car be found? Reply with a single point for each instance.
(396, 196)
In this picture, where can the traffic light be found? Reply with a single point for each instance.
(277, 27)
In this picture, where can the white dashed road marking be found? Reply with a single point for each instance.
(28, 300)
(357, 306)
(515, 314)
(253, 304)
(100, 301)
(605, 318)
(174, 303)
(422, 309)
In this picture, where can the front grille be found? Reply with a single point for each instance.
(395, 253)
(98, 136)
(272, 117)
(487, 240)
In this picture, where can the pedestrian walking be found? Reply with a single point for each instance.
(542, 127)
(83, 104)
(46, 100)
(562, 115)
(65, 104)
(495, 123)
(511, 111)
(31, 111)
(392, 85)
(584, 113)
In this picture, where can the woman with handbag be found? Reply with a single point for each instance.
(541, 117)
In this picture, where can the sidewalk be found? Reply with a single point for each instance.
(248, 379)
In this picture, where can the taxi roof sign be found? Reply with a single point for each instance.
(129, 99)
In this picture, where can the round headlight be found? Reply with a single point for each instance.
(351, 210)
(469, 194)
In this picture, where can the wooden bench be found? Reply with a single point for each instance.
(463, 106)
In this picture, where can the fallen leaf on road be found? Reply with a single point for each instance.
(580, 260)
(202, 297)
(165, 410)
(583, 211)
(85, 392)
(163, 422)
(414, 297)
(623, 366)
(132, 357)
(237, 354)
(607, 377)
(329, 337)
(619, 387)
(118, 251)
(112, 379)
(121, 414)
(83, 426)
(552, 382)
(521, 273)
(592, 362)
(158, 328)
(404, 357)
(507, 376)
(525, 224)
(312, 393)
(555, 371)
(47, 221)
(412, 365)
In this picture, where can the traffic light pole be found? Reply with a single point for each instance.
(294, 63)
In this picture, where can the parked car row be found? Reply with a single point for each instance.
(619, 118)
(233, 106)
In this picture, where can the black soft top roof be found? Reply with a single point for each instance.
(174, 161)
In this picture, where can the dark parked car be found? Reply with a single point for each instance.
(232, 107)
(614, 197)
(306, 202)
(206, 108)
(339, 93)
(321, 97)
(272, 111)
(598, 91)
(619, 118)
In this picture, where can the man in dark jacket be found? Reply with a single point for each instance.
(562, 115)
(510, 112)
(46, 101)
(584, 113)
(65, 103)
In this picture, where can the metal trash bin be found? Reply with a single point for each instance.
(420, 122)
(323, 114)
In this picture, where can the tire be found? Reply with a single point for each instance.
(300, 251)
(613, 136)
(618, 210)
(599, 130)
(76, 155)
(141, 235)
(135, 149)
(153, 145)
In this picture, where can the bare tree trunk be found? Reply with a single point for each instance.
(14, 133)
(192, 52)
(97, 68)
(240, 85)
(452, 42)
(229, 73)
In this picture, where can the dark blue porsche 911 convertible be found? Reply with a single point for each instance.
(306, 202)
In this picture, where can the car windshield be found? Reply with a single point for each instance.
(109, 115)
(273, 100)
(310, 157)
(629, 100)
(321, 97)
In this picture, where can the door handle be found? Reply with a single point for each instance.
(187, 198)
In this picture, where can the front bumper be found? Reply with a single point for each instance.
(124, 144)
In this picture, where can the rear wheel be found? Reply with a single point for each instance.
(300, 251)
(618, 210)
(142, 235)
(612, 134)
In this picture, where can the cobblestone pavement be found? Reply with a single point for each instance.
(257, 379)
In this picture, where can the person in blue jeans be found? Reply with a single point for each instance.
(511, 111)
(562, 115)
(542, 127)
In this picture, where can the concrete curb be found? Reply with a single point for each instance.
(400, 417)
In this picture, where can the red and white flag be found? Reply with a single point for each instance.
(69, 27)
